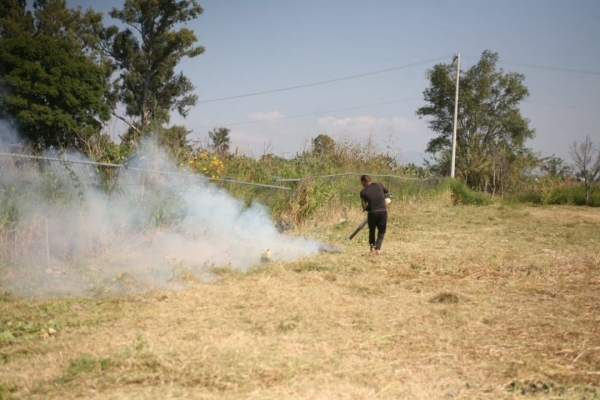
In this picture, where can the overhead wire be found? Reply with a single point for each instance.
(365, 106)
(544, 67)
(562, 105)
(306, 115)
(325, 82)
(567, 70)
(558, 69)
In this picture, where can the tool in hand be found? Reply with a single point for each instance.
(358, 228)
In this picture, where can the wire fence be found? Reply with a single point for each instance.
(85, 173)
(391, 181)
(46, 198)
(131, 168)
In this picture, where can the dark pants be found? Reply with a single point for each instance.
(377, 220)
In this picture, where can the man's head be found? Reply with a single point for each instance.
(365, 180)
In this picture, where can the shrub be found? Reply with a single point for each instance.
(461, 194)
(206, 164)
(307, 198)
(555, 195)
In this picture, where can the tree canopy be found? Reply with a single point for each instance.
(52, 90)
(491, 132)
(63, 73)
(586, 158)
(145, 54)
(323, 145)
(220, 141)
(15, 18)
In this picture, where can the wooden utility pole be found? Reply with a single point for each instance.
(457, 60)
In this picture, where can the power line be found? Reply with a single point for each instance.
(324, 82)
(365, 106)
(536, 66)
(545, 67)
(380, 104)
(562, 105)
(305, 115)
(568, 70)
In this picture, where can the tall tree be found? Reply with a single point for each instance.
(146, 54)
(489, 126)
(323, 145)
(15, 19)
(53, 90)
(219, 138)
(555, 167)
(586, 156)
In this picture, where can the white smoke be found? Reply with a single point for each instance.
(64, 233)
(8, 136)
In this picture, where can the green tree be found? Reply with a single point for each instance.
(219, 138)
(51, 18)
(53, 90)
(490, 129)
(145, 54)
(323, 145)
(15, 19)
(555, 167)
(586, 156)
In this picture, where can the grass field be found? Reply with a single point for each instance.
(466, 302)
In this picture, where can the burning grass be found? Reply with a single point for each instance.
(488, 302)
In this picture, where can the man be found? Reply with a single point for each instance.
(373, 201)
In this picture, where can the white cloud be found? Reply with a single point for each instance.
(279, 139)
(287, 137)
(265, 116)
(367, 123)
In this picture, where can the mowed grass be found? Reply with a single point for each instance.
(469, 302)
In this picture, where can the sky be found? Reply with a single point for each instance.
(268, 45)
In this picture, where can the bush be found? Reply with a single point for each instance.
(524, 197)
(556, 195)
(461, 194)
(307, 198)
(206, 164)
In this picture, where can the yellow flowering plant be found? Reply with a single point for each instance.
(206, 164)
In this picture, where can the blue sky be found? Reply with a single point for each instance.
(263, 45)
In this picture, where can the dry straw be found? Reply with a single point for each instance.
(488, 302)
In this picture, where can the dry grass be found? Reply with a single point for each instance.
(466, 302)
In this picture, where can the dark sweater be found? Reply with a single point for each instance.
(373, 197)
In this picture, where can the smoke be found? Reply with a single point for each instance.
(8, 137)
(66, 229)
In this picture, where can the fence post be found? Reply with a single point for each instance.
(47, 244)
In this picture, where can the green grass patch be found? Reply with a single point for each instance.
(461, 194)
(560, 195)
(309, 266)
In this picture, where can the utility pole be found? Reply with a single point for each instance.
(457, 60)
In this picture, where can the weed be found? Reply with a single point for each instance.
(446, 298)
(461, 194)
(6, 390)
(341, 325)
(309, 266)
